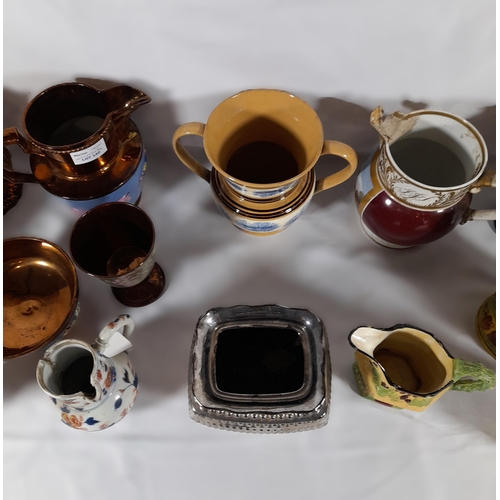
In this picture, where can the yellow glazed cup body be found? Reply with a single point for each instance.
(264, 115)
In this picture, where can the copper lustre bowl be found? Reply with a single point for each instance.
(40, 295)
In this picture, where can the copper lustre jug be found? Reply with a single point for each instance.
(83, 146)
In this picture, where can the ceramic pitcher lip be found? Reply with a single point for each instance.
(281, 93)
(396, 327)
(46, 360)
(479, 170)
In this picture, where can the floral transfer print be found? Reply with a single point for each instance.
(113, 378)
(72, 420)
(118, 396)
(132, 380)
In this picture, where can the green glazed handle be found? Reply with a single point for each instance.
(484, 378)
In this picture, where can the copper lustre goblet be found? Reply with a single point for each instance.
(115, 242)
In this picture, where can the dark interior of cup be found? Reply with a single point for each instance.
(263, 136)
(104, 230)
(411, 363)
(259, 360)
(262, 152)
(65, 114)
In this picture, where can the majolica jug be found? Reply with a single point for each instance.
(418, 185)
(406, 367)
(82, 144)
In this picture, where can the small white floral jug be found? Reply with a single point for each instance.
(93, 387)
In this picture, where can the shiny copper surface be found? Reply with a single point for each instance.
(40, 294)
(11, 192)
(111, 230)
(51, 162)
(145, 292)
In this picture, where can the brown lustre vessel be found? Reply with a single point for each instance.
(82, 144)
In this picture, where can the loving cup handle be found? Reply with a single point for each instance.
(488, 179)
(11, 136)
(481, 378)
(338, 149)
(190, 128)
(124, 321)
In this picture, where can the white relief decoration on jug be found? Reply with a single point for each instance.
(410, 194)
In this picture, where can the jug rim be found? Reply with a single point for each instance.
(270, 185)
(465, 123)
(46, 360)
(67, 148)
(100, 208)
(75, 146)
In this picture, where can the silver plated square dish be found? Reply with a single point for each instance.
(260, 369)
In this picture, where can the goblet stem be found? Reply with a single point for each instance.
(146, 292)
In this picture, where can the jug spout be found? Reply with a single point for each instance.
(67, 373)
(391, 127)
(122, 100)
(366, 339)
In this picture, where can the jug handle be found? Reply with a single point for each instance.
(338, 149)
(488, 179)
(190, 128)
(124, 321)
(11, 136)
(482, 378)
